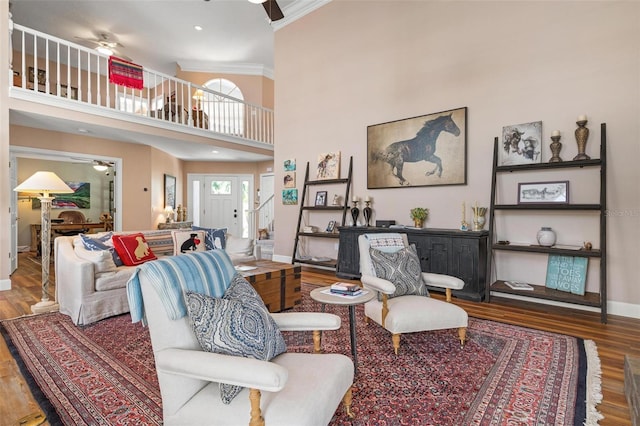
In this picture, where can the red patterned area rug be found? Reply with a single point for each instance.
(505, 375)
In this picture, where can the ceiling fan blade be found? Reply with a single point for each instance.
(273, 10)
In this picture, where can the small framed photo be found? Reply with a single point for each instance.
(331, 226)
(543, 192)
(321, 198)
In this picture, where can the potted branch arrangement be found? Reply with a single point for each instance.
(419, 215)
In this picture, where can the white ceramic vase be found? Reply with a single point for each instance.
(546, 237)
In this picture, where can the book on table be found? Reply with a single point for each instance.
(518, 285)
(345, 289)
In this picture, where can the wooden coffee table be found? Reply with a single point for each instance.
(277, 283)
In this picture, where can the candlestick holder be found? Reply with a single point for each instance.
(478, 218)
(582, 134)
(366, 212)
(355, 212)
(555, 146)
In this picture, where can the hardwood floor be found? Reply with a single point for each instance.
(620, 336)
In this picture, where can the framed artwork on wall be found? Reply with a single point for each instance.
(169, 191)
(289, 179)
(429, 150)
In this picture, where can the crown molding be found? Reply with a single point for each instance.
(297, 10)
(226, 68)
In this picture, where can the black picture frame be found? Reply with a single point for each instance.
(554, 192)
(331, 226)
(169, 191)
(428, 150)
(321, 198)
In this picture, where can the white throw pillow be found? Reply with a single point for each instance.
(102, 259)
(239, 245)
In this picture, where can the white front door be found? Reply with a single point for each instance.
(225, 201)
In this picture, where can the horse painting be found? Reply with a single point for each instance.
(420, 148)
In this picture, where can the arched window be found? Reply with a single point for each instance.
(225, 115)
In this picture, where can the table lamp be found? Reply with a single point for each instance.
(44, 183)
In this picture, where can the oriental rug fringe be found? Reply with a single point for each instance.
(105, 373)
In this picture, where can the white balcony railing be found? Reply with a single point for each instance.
(54, 67)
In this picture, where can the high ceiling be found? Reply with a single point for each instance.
(160, 34)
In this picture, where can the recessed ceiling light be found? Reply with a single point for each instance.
(215, 152)
(82, 130)
(197, 27)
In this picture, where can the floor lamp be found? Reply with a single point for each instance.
(44, 183)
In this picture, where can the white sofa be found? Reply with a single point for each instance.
(88, 295)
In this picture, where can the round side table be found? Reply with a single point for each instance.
(324, 296)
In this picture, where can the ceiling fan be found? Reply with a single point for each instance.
(105, 44)
(271, 7)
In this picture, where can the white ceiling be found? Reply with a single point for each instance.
(160, 34)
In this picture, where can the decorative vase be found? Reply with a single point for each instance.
(546, 237)
(355, 212)
(582, 134)
(418, 223)
(478, 218)
(555, 146)
(366, 212)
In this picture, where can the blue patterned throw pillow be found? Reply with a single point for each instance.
(99, 244)
(213, 238)
(402, 268)
(237, 324)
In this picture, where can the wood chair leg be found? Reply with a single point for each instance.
(346, 400)
(462, 334)
(385, 308)
(256, 418)
(447, 292)
(317, 336)
(395, 338)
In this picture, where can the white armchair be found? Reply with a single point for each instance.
(408, 313)
(291, 389)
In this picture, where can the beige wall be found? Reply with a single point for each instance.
(345, 67)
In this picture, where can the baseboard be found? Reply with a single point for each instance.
(613, 308)
(5, 284)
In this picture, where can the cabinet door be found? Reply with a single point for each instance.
(348, 256)
(464, 262)
(434, 253)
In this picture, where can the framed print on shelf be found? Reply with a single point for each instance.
(543, 192)
(328, 165)
(331, 226)
(169, 191)
(521, 144)
(429, 150)
(321, 198)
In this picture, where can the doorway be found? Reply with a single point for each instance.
(106, 190)
(222, 201)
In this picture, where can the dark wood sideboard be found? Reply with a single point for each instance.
(461, 254)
